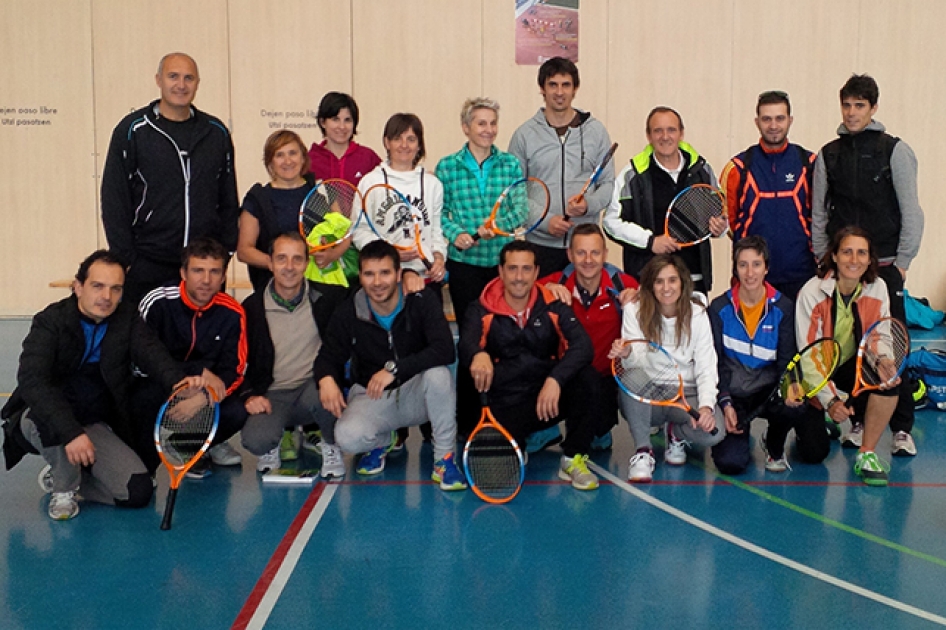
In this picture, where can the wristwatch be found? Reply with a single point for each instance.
(390, 367)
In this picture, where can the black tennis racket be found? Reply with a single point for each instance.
(689, 214)
(329, 213)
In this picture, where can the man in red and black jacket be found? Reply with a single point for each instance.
(205, 332)
(596, 291)
(527, 351)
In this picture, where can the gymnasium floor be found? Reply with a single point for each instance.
(812, 548)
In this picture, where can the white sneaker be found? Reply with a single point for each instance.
(854, 437)
(676, 453)
(332, 463)
(45, 479)
(225, 455)
(777, 465)
(641, 469)
(269, 461)
(903, 445)
(63, 506)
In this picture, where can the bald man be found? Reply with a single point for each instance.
(168, 180)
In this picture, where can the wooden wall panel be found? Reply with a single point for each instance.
(709, 59)
(47, 185)
(424, 58)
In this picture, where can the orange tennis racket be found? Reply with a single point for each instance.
(647, 372)
(184, 429)
(520, 209)
(881, 356)
(492, 460)
(317, 224)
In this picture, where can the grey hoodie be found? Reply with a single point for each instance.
(564, 167)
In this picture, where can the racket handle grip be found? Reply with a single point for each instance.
(484, 399)
(696, 416)
(427, 264)
(475, 237)
(169, 509)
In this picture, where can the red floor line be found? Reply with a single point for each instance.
(272, 567)
(667, 482)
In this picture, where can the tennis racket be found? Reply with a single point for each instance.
(321, 230)
(186, 424)
(401, 226)
(648, 374)
(596, 175)
(519, 209)
(492, 460)
(881, 356)
(805, 375)
(687, 220)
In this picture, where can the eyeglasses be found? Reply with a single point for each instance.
(773, 93)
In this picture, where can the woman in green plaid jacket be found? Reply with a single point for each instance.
(473, 178)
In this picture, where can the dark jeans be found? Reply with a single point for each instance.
(575, 408)
(732, 456)
(148, 397)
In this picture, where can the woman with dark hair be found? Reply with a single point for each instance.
(338, 156)
(667, 313)
(844, 300)
(404, 143)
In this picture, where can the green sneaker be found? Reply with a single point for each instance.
(871, 469)
(575, 469)
(312, 441)
(289, 446)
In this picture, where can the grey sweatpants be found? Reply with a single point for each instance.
(118, 476)
(291, 407)
(641, 417)
(366, 424)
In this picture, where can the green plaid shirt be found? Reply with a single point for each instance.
(466, 206)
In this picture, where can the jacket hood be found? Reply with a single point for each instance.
(492, 298)
(872, 126)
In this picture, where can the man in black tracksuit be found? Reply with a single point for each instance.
(169, 179)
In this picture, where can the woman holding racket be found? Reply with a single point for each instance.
(843, 301)
(473, 178)
(668, 315)
(338, 156)
(403, 198)
(272, 209)
(754, 332)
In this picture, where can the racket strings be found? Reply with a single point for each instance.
(885, 351)
(651, 379)
(493, 464)
(813, 368)
(524, 205)
(689, 217)
(185, 425)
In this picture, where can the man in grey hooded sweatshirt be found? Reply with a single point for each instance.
(868, 178)
(562, 146)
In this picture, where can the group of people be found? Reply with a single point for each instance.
(342, 350)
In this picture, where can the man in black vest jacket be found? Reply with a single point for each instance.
(867, 178)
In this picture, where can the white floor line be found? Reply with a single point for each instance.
(765, 553)
(261, 615)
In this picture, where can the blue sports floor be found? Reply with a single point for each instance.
(810, 548)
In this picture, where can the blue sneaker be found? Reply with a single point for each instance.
(541, 440)
(372, 463)
(602, 443)
(448, 475)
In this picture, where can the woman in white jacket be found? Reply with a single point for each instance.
(669, 314)
(404, 143)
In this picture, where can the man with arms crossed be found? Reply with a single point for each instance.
(205, 332)
(643, 192)
(71, 404)
(400, 347)
(768, 193)
(168, 179)
(529, 353)
(285, 322)
(562, 146)
(867, 178)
